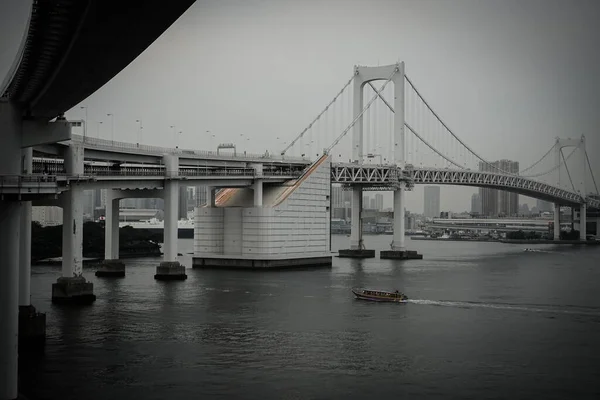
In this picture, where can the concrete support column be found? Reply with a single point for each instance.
(356, 241)
(170, 269)
(357, 247)
(258, 193)
(556, 221)
(111, 227)
(32, 324)
(10, 213)
(258, 185)
(9, 294)
(583, 222)
(399, 148)
(210, 196)
(357, 130)
(72, 240)
(111, 266)
(398, 243)
(72, 287)
(171, 189)
(25, 242)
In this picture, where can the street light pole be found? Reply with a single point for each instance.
(112, 129)
(98, 131)
(85, 122)
(174, 135)
(140, 131)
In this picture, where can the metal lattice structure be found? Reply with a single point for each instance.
(512, 183)
(388, 177)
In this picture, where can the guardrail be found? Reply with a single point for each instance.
(156, 150)
(95, 171)
(18, 180)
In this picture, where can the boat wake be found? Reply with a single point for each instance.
(536, 308)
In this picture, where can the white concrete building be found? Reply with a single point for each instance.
(288, 226)
(47, 215)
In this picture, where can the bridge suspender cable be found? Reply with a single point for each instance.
(591, 172)
(318, 116)
(363, 111)
(414, 132)
(431, 147)
(538, 161)
(551, 169)
(452, 133)
(568, 173)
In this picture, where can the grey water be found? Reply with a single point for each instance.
(484, 321)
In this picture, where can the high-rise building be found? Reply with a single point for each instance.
(183, 202)
(102, 197)
(201, 195)
(476, 204)
(432, 201)
(378, 201)
(499, 202)
(47, 215)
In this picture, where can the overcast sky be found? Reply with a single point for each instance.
(507, 76)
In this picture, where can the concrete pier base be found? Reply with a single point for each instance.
(170, 271)
(32, 330)
(356, 253)
(400, 255)
(228, 262)
(111, 269)
(75, 290)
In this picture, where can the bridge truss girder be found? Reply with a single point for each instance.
(389, 177)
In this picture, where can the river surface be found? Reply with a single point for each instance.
(485, 321)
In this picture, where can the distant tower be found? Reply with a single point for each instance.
(432, 201)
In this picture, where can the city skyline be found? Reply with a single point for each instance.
(187, 90)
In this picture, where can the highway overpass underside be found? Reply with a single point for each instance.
(71, 49)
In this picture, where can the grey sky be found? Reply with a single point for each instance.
(508, 76)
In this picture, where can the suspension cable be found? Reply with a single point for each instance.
(538, 161)
(416, 134)
(458, 165)
(553, 168)
(396, 69)
(431, 147)
(452, 133)
(591, 172)
(318, 116)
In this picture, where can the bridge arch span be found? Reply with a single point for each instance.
(509, 183)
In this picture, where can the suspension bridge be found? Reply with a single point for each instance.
(414, 145)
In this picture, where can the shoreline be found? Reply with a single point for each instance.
(92, 260)
(515, 241)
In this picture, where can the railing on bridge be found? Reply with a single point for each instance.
(30, 184)
(388, 177)
(156, 150)
(91, 170)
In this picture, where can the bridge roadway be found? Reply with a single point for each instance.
(130, 163)
(489, 224)
(388, 177)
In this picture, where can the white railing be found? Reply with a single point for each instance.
(156, 150)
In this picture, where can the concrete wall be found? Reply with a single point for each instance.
(294, 224)
(232, 231)
(208, 230)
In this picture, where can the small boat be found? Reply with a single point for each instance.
(380, 295)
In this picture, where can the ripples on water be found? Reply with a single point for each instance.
(484, 320)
